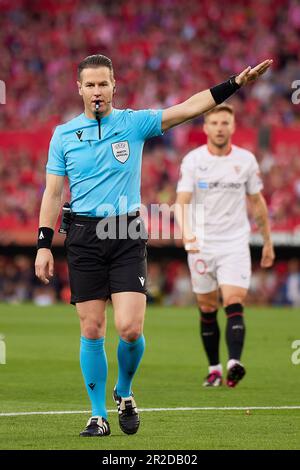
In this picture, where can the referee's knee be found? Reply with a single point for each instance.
(92, 330)
(130, 334)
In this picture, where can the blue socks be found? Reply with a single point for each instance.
(93, 364)
(129, 357)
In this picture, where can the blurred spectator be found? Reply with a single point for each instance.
(262, 287)
(293, 283)
(22, 185)
(44, 296)
(181, 293)
(168, 283)
(155, 281)
(163, 55)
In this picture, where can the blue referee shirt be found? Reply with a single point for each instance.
(104, 174)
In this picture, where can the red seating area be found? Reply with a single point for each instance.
(162, 53)
(22, 175)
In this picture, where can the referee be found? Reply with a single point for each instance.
(100, 152)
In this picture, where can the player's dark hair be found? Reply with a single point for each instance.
(94, 61)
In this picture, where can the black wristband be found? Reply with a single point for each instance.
(222, 91)
(45, 236)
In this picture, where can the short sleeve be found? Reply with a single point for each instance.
(254, 182)
(186, 177)
(56, 162)
(148, 122)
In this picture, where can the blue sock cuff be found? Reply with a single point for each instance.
(92, 344)
(140, 339)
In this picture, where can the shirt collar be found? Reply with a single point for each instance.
(103, 120)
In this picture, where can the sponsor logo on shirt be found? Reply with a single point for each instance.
(218, 185)
(203, 185)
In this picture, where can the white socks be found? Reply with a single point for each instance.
(232, 363)
(217, 367)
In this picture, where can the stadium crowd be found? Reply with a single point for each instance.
(168, 283)
(163, 54)
(22, 180)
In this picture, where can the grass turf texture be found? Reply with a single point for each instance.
(42, 374)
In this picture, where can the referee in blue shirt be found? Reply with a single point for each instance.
(100, 152)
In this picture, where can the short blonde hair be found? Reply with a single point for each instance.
(217, 109)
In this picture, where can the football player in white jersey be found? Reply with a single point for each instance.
(217, 180)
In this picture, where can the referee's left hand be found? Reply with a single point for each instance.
(44, 265)
(268, 256)
(250, 74)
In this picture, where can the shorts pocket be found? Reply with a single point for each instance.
(76, 234)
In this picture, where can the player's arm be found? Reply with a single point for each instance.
(259, 211)
(205, 100)
(50, 208)
(182, 218)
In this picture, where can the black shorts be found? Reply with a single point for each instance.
(101, 267)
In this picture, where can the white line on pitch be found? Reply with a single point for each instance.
(203, 408)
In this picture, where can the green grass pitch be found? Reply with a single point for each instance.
(42, 374)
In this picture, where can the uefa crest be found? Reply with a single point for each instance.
(121, 151)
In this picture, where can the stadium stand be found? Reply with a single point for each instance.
(163, 55)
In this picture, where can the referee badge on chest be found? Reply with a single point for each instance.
(121, 151)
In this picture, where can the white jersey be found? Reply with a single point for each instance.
(219, 185)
